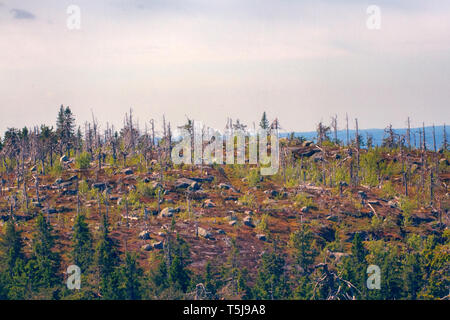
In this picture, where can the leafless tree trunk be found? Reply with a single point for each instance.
(334, 126)
(348, 135)
(408, 134)
(424, 137)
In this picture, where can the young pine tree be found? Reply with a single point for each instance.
(271, 282)
(132, 278)
(82, 251)
(302, 242)
(355, 266)
(13, 278)
(264, 123)
(106, 261)
(45, 261)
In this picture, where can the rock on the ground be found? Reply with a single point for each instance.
(261, 237)
(184, 183)
(144, 235)
(225, 186)
(305, 209)
(202, 232)
(167, 212)
(248, 221)
(127, 171)
(332, 218)
(208, 204)
(272, 193)
(147, 247)
(158, 245)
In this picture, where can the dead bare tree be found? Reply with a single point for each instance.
(334, 126)
(348, 135)
(334, 285)
(408, 134)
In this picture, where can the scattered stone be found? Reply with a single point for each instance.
(225, 186)
(220, 231)
(194, 186)
(272, 193)
(183, 183)
(261, 237)
(333, 218)
(392, 204)
(144, 235)
(232, 223)
(147, 247)
(208, 204)
(202, 232)
(158, 245)
(168, 212)
(127, 171)
(305, 209)
(248, 221)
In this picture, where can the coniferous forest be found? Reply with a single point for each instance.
(339, 220)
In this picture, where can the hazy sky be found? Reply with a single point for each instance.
(302, 61)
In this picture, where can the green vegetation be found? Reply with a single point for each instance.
(83, 161)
